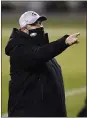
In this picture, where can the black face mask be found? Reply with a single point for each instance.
(38, 36)
(37, 31)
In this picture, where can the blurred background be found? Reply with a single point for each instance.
(64, 17)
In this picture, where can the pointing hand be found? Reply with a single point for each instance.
(72, 39)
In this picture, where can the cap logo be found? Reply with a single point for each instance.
(33, 14)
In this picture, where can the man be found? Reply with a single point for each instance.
(36, 86)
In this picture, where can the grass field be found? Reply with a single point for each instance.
(72, 61)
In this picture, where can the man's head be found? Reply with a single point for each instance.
(31, 20)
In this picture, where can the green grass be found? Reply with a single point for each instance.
(72, 61)
(75, 104)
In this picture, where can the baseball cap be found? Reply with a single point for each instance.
(30, 17)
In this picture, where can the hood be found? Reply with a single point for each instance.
(18, 38)
(13, 41)
(10, 45)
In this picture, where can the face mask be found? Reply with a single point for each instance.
(38, 36)
(36, 32)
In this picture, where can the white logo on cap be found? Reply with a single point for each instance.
(33, 14)
(33, 34)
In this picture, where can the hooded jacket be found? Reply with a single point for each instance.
(36, 85)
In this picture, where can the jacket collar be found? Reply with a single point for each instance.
(40, 38)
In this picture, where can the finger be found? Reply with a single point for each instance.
(76, 42)
(75, 35)
(74, 39)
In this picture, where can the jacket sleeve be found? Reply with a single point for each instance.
(32, 56)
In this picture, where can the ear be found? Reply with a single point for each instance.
(24, 29)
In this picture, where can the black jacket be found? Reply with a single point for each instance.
(36, 86)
